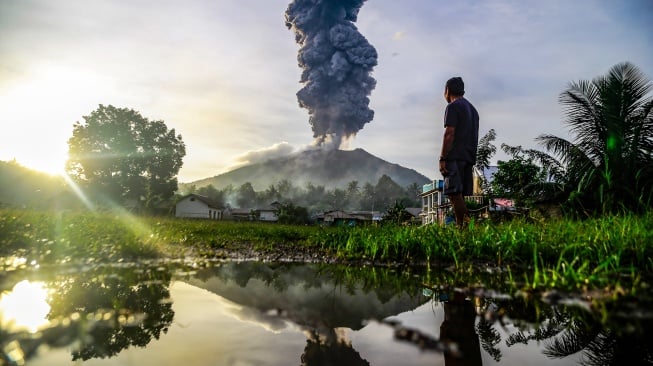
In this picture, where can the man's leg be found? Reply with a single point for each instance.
(459, 208)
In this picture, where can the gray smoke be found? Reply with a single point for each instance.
(337, 62)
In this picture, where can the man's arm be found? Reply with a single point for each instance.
(447, 143)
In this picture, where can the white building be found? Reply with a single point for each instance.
(196, 206)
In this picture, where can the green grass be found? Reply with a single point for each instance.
(593, 253)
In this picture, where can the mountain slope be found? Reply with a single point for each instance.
(330, 168)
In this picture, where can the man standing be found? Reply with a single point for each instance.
(459, 147)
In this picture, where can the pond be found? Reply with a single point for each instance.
(254, 313)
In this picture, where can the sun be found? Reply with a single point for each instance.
(41, 107)
(25, 307)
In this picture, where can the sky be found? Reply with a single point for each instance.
(224, 73)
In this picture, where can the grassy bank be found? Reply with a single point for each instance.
(557, 253)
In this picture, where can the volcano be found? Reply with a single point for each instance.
(328, 168)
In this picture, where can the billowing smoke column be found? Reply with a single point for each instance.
(337, 61)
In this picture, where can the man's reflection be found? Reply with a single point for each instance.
(457, 333)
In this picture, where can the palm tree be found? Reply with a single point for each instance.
(609, 163)
(485, 152)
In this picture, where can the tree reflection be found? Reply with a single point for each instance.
(330, 350)
(119, 307)
(569, 331)
(607, 338)
(101, 311)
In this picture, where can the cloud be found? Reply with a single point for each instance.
(399, 35)
(261, 155)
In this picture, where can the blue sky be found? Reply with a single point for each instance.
(224, 73)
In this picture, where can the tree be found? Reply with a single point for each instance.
(516, 178)
(121, 157)
(337, 198)
(368, 197)
(413, 191)
(213, 194)
(246, 196)
(608, 166)
(486, 151)
(396, 214)
(386, 192)
(288, 213)
(353, 193)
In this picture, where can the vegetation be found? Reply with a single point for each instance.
(608, 251)
(379, 197)
(519, 178)
(608, 166)
(22, 187)
(119, 157)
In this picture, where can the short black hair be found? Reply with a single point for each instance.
(456, 86)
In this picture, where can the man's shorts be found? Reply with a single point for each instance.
(459, 178)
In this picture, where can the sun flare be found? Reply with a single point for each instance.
(41, 108)
(25, 307)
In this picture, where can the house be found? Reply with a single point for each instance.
(269, 214)
(415, 214)
(436, 205)
(199, 207)
(342, 218)
(239, 214)
(266, 214)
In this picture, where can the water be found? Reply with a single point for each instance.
(251, 313)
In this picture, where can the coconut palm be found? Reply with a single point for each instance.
(609, 163)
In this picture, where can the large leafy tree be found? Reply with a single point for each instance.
(608, 166)
(122, 157)
(519, 178)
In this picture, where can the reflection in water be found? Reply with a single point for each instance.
(458, 329)
(339, 312)
(330, 349)
(123, 307)
(25, 307)
(98, 311)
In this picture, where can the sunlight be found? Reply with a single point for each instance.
(41, 108)
(78, 192)
(25, 307)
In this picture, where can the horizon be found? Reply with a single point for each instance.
(225, 75)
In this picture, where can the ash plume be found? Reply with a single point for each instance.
(337, 61)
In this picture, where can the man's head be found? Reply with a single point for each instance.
(455, 87)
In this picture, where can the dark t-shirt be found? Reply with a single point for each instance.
(462, 115)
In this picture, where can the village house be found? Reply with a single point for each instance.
(265, 214)
(198, 207)
(342, 218)
(269, 214)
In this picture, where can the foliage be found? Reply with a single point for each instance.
(606, 251)
(518, 178)
(246, 196)
(288, 213)
(608, 166)
(484, 154)
(121, 157)
(397, 214)
(316, 198)
(24, 187)
(119, 296)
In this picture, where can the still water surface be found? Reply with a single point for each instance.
(252, 313)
